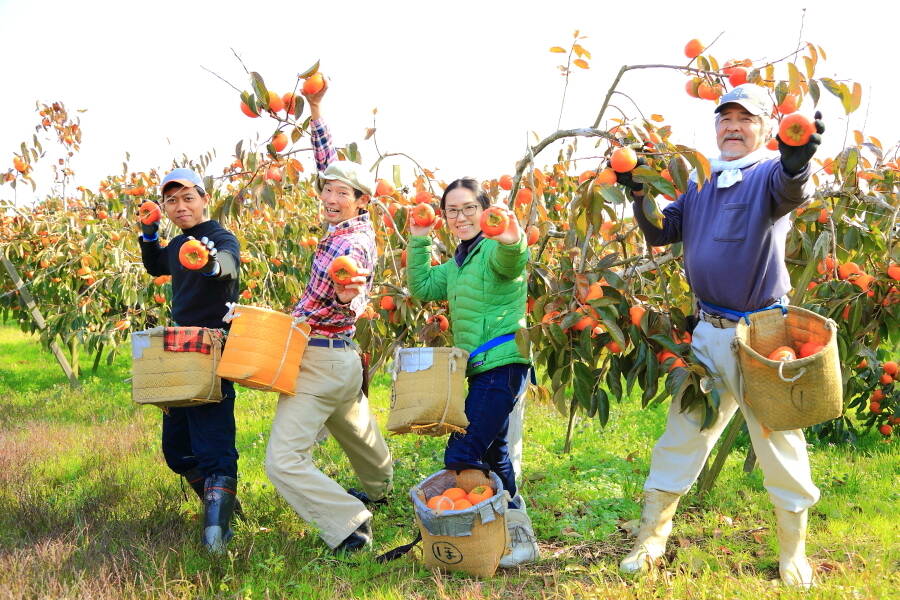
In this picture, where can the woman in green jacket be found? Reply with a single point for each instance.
(485, 285)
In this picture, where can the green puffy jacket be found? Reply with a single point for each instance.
(487, 295)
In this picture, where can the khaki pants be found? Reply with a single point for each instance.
(680, 453)
(328, 394)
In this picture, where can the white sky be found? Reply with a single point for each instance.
(458, 85)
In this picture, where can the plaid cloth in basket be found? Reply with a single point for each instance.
(186, 339)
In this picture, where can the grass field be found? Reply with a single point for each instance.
(88, 509)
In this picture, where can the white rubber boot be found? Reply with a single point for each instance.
(656, 525)
(793, 566)
(523, 546)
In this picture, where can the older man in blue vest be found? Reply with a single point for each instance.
(734, 233)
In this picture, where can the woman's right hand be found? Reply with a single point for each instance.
(419, 229)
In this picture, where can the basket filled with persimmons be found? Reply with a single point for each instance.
(790, 367)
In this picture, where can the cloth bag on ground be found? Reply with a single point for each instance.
(471, 540)
(176, 366)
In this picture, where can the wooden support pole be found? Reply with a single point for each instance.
(28, 300)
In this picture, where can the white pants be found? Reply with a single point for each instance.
(680, 453)
(514, 435)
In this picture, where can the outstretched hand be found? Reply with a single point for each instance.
(513, 232)
(212, 266)
(625, 179)
(346, 293)
(795, 158)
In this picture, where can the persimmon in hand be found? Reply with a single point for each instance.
(343, 269)
(149, 212)
(795, 129)
(422, 215)
(193, 255)
(494, 221)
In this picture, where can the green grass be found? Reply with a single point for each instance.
(88, 509)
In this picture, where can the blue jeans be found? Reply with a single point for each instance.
(492, 396)
(202, 437)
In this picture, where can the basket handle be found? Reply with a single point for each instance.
(789, 379)
(232, 312)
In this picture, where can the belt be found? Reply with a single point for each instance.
(715, 321)
(324, 342)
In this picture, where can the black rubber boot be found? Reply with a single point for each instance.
(360, 539)
(364, 498)
(219, 499)
(196, 479)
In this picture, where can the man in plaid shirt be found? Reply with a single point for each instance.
(330, 379)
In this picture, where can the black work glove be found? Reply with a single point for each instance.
(212, 266)
(795, 158)
(150, 232)
(625, 179)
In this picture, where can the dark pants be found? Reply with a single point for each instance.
(492, 396)
(202, 437)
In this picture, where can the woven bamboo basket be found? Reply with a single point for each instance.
(429, 391)
(263, 349)
(789, 394)
(168, 379)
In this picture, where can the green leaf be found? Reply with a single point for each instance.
(584, 385)
(613, 279)
(644, 174)
(613, 194)
(299, 103)
(614, 378)
(679, 172)
(309, 72)
(522, 342)
(652, 212)
(814, 91)
(259, 88)
(397, 181)
(698, 162)
(847, 161)
(601, 402)
(556, 333)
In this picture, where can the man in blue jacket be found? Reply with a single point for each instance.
(734, 233)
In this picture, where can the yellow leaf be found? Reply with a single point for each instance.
(856, 97)
(580, 51)
(580, 63)
(875, 141)
(858, 136)
(657, 118)
(558, 50)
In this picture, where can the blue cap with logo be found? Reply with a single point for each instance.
(185, 177)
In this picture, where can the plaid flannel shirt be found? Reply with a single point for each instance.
(323, 148)
(319, 303)
(354, 237)
(185, 339)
